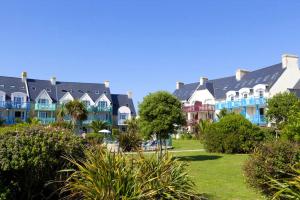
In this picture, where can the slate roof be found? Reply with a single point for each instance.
(219, 87)
(296, 89)
(186, 91)
(120, 100)
(77, 90)
(11, 84)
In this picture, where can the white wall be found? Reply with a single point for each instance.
(287, 80)
(123, 110)
(2, 96)
(44, 95)
(87, 97)
(204, 96)
(19, 94)
(66, 98)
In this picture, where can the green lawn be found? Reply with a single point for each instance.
(218, 175)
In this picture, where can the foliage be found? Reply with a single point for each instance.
(291, 129)
(30, 158)
(98, 125)
(61, 112)
(132, 125)
(232, 134)
(129, 141)
(94, 138)
(202, 127)
(62, 124)
(159, 112)
(2, 121)
(186, 136)
(77, 111)
(270, 160)
(288, 188)
(280, 107)
(222, 113)
(104, 175)
(115, 132)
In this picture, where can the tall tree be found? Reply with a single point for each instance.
(159, 112)
(77, 111)
(281, 106)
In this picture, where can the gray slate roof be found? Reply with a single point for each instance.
(219, 87)
(120, 100)
(11, 84)
(296, 89)
(77, 90)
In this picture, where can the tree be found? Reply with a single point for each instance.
(280, 107)
(132, 125)
(61, 113)
(159, 112)
(202, 127)
(98, 125)
(77, 111)
(291, 129)
(222, 113)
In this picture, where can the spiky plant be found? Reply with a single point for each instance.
(104, 175)
(288, 188)
(98, 125)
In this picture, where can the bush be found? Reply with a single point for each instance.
(270, 160)
(232, 134)
(288, 188)
(31, 156)
(104, 175)
(94, 138)
(62, 124)
(129, 141)
(186, 136)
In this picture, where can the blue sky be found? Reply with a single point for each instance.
(144, 45)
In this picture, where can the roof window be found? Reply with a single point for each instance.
(48, 90)
(34, 88)
(1, 86)
(12, 86)
(64, 90)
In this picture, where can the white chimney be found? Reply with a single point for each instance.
(53, 80)
(179, 85)
(24, 76)
(203, 80)
(289, 61)
(129, 94)
(240, 73)
(106, 83)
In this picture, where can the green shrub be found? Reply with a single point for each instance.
(115, 132)
(129, 141)
(31, 156)
(270, 160)
(291, 129)
(62, 124)
(94, 138)
(287, 188)
(232, 134)
(104, 175)
(186, 136)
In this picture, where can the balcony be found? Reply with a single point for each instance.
(99, 109)
(15, 105)
(258, 120)
(90, 120)
(47, 120)
(199, 108)
(252, 101)
(45, 107)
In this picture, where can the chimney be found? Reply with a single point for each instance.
(203, 80)
(24, 76)
(289, 61)
(240, 73)
(53, 80)
(129, 94)
(106, 83)
(179, 85)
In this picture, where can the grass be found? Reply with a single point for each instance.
(217, 175)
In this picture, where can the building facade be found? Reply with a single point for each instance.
(23, 98)
(246, 92)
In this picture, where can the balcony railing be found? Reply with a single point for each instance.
(45, 107)
(14, 105)
(47, 120)
(99, 109)
(199, 108)
(252, 101)
(90, 120)
(257, 119)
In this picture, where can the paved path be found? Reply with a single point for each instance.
(171, 151)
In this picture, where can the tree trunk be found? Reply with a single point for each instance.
(160, 146)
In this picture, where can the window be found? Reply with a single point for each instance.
(86, 103)
(43, 114)
(18, 100)
(1, 98)
(103, 104)
(245, 96)
(261, 94)
(123, 116)
(43, 101)
(232, 98)
(48, 90)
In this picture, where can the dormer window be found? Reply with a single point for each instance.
(43, 101)
(231, 98)
(261, 94)
(86, 103)
(97, 92)
(245, 96)
(48, 90)
(103, 104)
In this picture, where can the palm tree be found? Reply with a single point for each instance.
(61, 113)
(77, 111)
(98, 125)
(132, 125)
